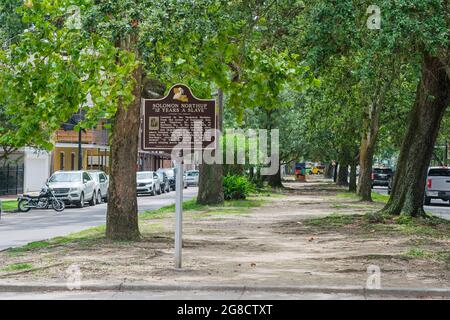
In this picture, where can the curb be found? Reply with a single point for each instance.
(415, 292)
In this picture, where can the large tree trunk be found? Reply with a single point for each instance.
(275, 180)
(366, 152)
(352, 185)
(251, 174)
(342, 178)
(432, 99)
(371, 125)
(122, 217)
(335, 172)
(210, 189)
(364, 189)
(328, 171)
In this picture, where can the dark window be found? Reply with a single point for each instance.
(72, 161)
(61, 161)
(86, 177)
(444, 172)
(382, 171)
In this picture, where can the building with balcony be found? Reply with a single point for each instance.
(94, 148)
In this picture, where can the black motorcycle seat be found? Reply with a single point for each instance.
(31, 197)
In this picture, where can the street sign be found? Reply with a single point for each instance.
(180, 109)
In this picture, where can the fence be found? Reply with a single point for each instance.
(11, 179)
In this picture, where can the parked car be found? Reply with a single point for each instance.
(170, 176)
(381, 176)
(73, 187)
(192, 177)
(318, 169)
(102, 185)
(148, 183)
(164, 180)
(438, 184)
(185, 185)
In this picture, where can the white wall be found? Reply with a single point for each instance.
(37, 169)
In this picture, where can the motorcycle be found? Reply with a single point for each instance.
(44, 200)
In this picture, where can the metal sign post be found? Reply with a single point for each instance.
(179, 213)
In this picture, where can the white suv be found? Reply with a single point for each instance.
(192, 177)
(102, 185)
(148, 183)
(73, 187)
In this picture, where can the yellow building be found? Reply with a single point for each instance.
(95, 151)
(94, 147)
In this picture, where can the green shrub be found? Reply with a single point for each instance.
(236, 187)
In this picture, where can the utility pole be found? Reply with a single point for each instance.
(446, 153)
(80, 152)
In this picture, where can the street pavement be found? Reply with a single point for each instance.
(438, 208)
(18, 229)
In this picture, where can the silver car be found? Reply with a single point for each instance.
(192, 177)
(73, 187)
(102, 185)
(148, 183)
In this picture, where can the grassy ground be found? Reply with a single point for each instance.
(17, 267)
(147, 223)
(85, 236)
(375, 196)
(424, 233)
(9, 205)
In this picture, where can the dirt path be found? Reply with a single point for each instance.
(269, 245)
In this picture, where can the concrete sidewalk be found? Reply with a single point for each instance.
(10, 290)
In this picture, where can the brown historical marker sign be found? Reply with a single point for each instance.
(180, 109)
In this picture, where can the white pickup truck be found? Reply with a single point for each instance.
(438, 184)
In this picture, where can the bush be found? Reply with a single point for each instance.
(236, 187)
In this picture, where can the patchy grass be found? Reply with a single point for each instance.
(334, 220)
(151, 228)
(200, 211)
(342, 206)
(267, 191)
(347, 195)
(188, 205)
(17, 267)
(419, 253)
(376, 197)
(82, 236)
(431, 227)
(443, 256)
(9, 205)
(247, 203)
